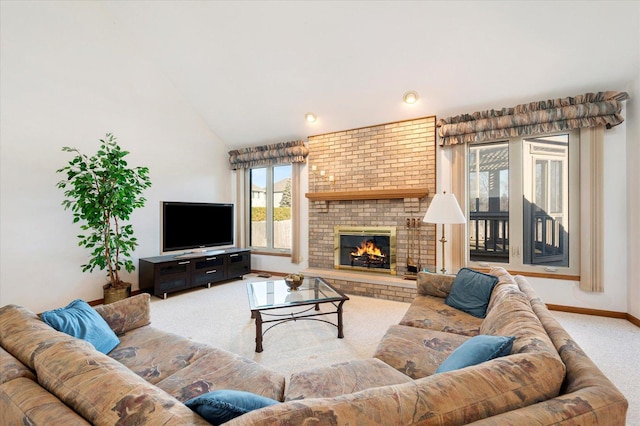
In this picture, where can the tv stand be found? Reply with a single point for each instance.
(161, 275)
(192, 254)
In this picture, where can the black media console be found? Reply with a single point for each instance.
(161, 275)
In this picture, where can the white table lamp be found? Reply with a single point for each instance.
(444, 209)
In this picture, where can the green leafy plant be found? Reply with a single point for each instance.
(102, 191)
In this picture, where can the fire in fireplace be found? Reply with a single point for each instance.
(369, 255)
(367, 248)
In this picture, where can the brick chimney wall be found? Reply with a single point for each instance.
(388, 156)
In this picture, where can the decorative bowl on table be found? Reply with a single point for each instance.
(294, 281)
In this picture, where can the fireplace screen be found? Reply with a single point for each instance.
(366, 248)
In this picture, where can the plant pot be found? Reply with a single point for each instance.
(113, 294)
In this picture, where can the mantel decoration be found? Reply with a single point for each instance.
(102, 191)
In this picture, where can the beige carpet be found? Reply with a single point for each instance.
(220, 316)
(614, 346)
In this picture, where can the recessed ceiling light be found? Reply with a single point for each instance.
(310, 117)
(410, 97)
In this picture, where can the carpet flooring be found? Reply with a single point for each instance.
(220, 316)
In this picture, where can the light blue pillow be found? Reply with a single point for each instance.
(471, 291)
(220, 406)
(80, 320)
(476, 350)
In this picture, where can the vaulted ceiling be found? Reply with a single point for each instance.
(252, 69)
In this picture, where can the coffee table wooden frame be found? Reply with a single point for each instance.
(257, 312)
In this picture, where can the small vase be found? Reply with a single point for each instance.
(293, 285)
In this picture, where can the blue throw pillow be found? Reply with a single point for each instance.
(471, 291)
(80, 320)
(220, 406)
(476, 350)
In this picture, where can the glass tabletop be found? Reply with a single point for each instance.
(276, 294)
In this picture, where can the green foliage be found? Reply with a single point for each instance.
(102, 192)
(286, 195)
(259, 214)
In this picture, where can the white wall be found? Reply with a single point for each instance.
(68, 76)
(633, 198)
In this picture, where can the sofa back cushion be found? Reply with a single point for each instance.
(103, 391)
(512, 315)
(455, 397)
(11, 368)
(437, 285)
(127, 314)
(23, 334)
(25, 402)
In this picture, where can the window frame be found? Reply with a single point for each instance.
(516, 209)
(269, 195)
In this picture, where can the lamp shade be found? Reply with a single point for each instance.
(444, 208)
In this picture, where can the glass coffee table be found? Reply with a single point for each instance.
(265, 296)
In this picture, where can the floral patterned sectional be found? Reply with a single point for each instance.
(48, 377)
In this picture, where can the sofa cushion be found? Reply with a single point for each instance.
(139, 351)
(11, 368)
(471, 291)
(25, 402)
(220, 369)
(438, 285)
(24, 335)
(452, 398)
(80, 320)
(104, 391)
(477, 349)
(416, 352)
(506, 286)
(127, 314)
(220, 406)
(432, 313)
(343, 378)
(511, 314)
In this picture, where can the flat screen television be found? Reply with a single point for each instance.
(189, 226)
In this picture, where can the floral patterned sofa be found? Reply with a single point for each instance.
(545, 380)
(48, 377)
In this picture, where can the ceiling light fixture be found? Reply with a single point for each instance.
(410, 97)
(310, 117)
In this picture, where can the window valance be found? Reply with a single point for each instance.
(267, 155)
(588, 110)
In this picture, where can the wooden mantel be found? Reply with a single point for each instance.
(381, 194)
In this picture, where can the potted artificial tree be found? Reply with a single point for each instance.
(102, 191)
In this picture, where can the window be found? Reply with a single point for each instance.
(270, 208)
(523, 197)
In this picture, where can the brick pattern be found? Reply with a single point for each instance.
(387, 156)
(379, 291)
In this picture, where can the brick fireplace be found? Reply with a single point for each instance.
(365, 248)
(381, 176)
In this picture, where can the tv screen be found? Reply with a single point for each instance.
(188, 226)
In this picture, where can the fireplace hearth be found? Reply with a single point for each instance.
(365, 248)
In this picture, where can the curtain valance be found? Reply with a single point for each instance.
(266, 155)
(588, 110)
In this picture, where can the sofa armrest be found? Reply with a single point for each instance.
(127, 314)
(437, 285)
